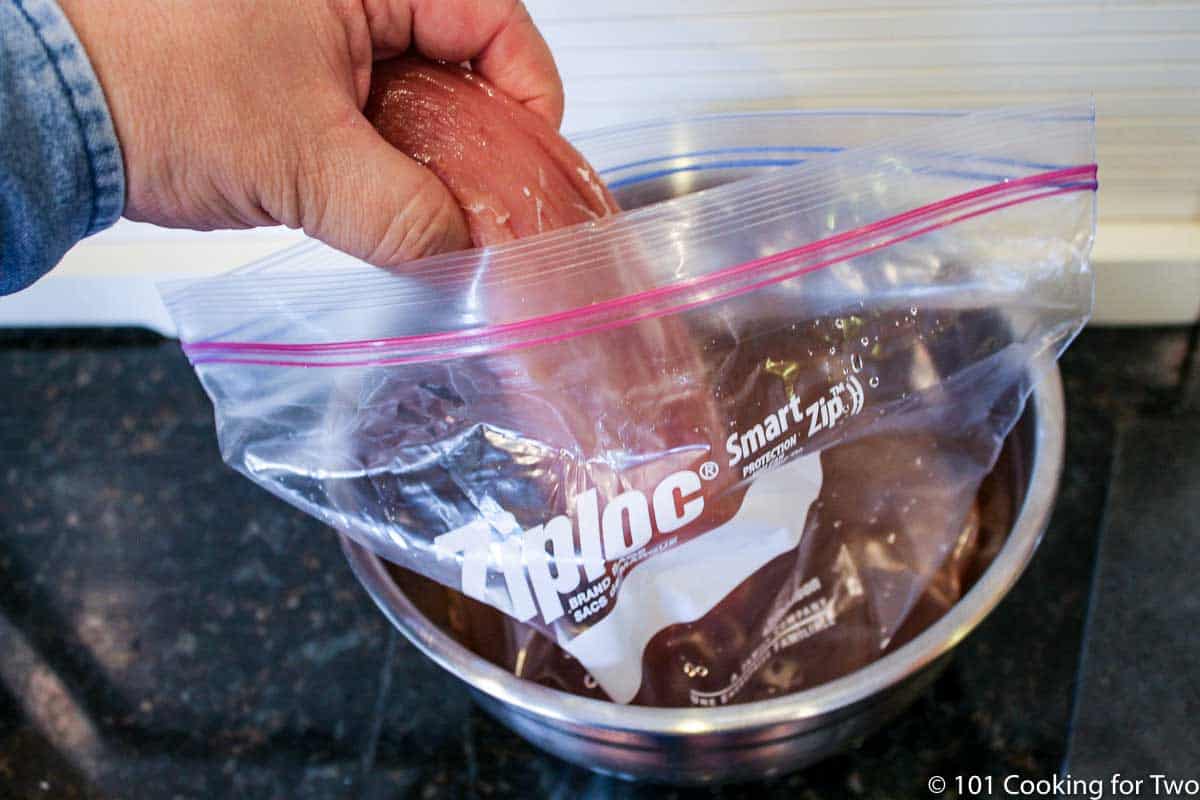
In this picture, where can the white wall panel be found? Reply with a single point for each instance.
(625, 60)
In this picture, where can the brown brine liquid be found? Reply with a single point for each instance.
(814, 613)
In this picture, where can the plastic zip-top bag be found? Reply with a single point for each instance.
(717, 446)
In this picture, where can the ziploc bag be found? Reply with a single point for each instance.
(714, 447)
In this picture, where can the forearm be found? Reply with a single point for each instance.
(61, 174)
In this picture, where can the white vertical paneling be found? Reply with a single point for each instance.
(623, 60)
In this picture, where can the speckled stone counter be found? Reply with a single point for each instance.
(169, 630)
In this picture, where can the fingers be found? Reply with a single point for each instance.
(361, 195)
(518, 61)
(497, 36)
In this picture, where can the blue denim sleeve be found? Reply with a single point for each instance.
(61, 174)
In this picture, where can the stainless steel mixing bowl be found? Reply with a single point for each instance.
(700, 745)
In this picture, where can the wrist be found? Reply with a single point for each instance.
(94, 105)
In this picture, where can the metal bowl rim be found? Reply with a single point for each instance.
(552, 705)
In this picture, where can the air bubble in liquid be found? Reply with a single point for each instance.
(839, 323)
(912, 310)
(873, 382)
(856, 362)
(865, 341)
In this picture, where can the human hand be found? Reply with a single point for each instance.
(248, 112)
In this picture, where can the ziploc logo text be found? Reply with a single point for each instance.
(541, 564)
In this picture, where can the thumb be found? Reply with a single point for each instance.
(365, 197)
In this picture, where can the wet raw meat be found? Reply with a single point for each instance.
(512, 173)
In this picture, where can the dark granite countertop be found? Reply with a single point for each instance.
(169, 630)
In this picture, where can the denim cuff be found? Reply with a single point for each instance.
(78, 82)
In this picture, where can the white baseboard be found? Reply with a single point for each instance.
(1147, 273)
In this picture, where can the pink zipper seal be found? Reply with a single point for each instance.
(1068, 180)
